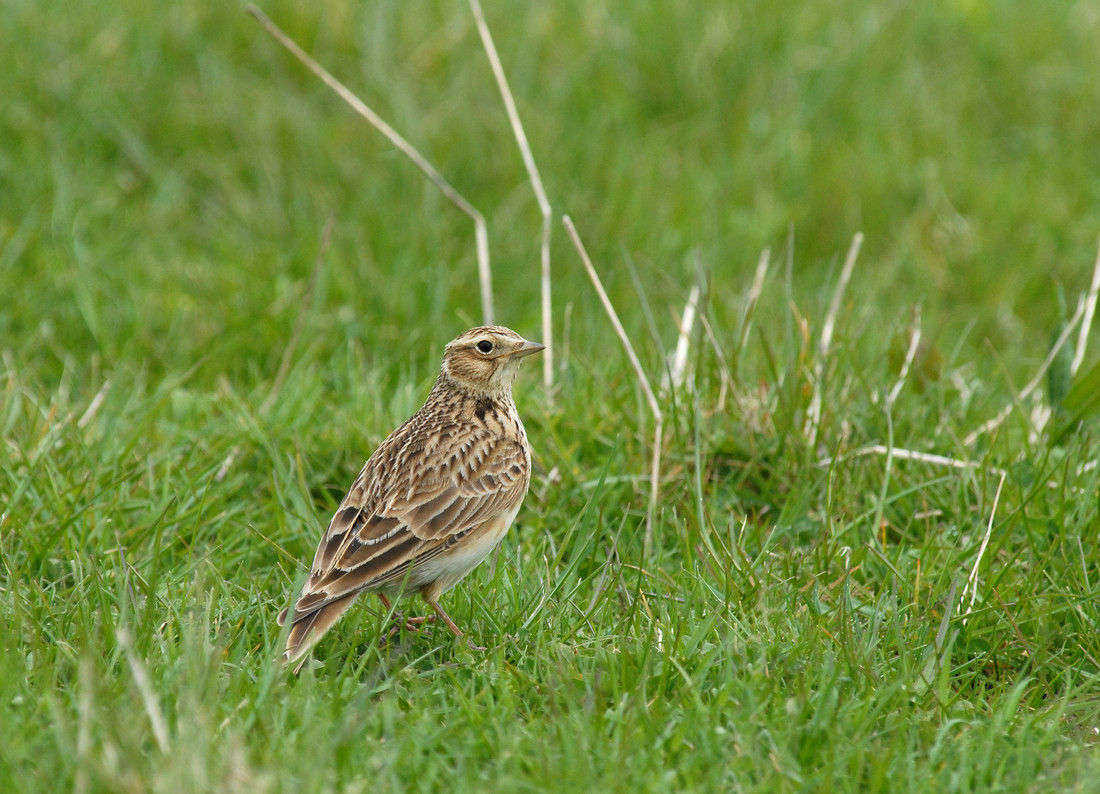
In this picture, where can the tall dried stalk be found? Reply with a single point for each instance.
(813, 414)
(643, 381)
(481, 234)
(536, 186)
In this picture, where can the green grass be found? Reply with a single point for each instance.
(165, 174)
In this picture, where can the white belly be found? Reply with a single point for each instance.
(449, 569)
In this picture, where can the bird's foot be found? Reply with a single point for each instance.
(415, 623)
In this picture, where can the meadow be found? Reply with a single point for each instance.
(873, 561)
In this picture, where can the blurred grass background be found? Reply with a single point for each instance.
(167, 169)
(165, 174)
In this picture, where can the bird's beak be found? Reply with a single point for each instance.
(527, 349)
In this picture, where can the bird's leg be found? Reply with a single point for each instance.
(450, 623)
(443, 616)
(411, 624)
(417, 623)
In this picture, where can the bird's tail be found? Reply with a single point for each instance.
(307, 628)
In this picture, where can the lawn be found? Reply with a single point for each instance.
(873, 560)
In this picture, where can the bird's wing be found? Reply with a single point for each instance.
(391, 521)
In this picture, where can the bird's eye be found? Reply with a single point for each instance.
(485, 346)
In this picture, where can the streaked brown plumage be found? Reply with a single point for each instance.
(434, 499)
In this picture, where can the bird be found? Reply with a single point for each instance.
(433, 500)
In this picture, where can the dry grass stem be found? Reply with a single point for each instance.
(813, 415)
(723, 363)
(651, 398)
(755, 291)
(86, 706)
(145, 689)
(908, 454)
(1035, 382)
(94, 406)
(1086, 322)
(910, 354)
(972, 580)
(536, 185)
(674, 378)
(838, 297)
(481, 234)
(227, 464)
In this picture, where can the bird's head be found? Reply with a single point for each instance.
(486, 359)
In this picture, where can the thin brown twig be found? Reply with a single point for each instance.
(536, 186)
(481, 234)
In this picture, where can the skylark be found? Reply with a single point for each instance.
(433, 500)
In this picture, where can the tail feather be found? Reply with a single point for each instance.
(307, 629)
